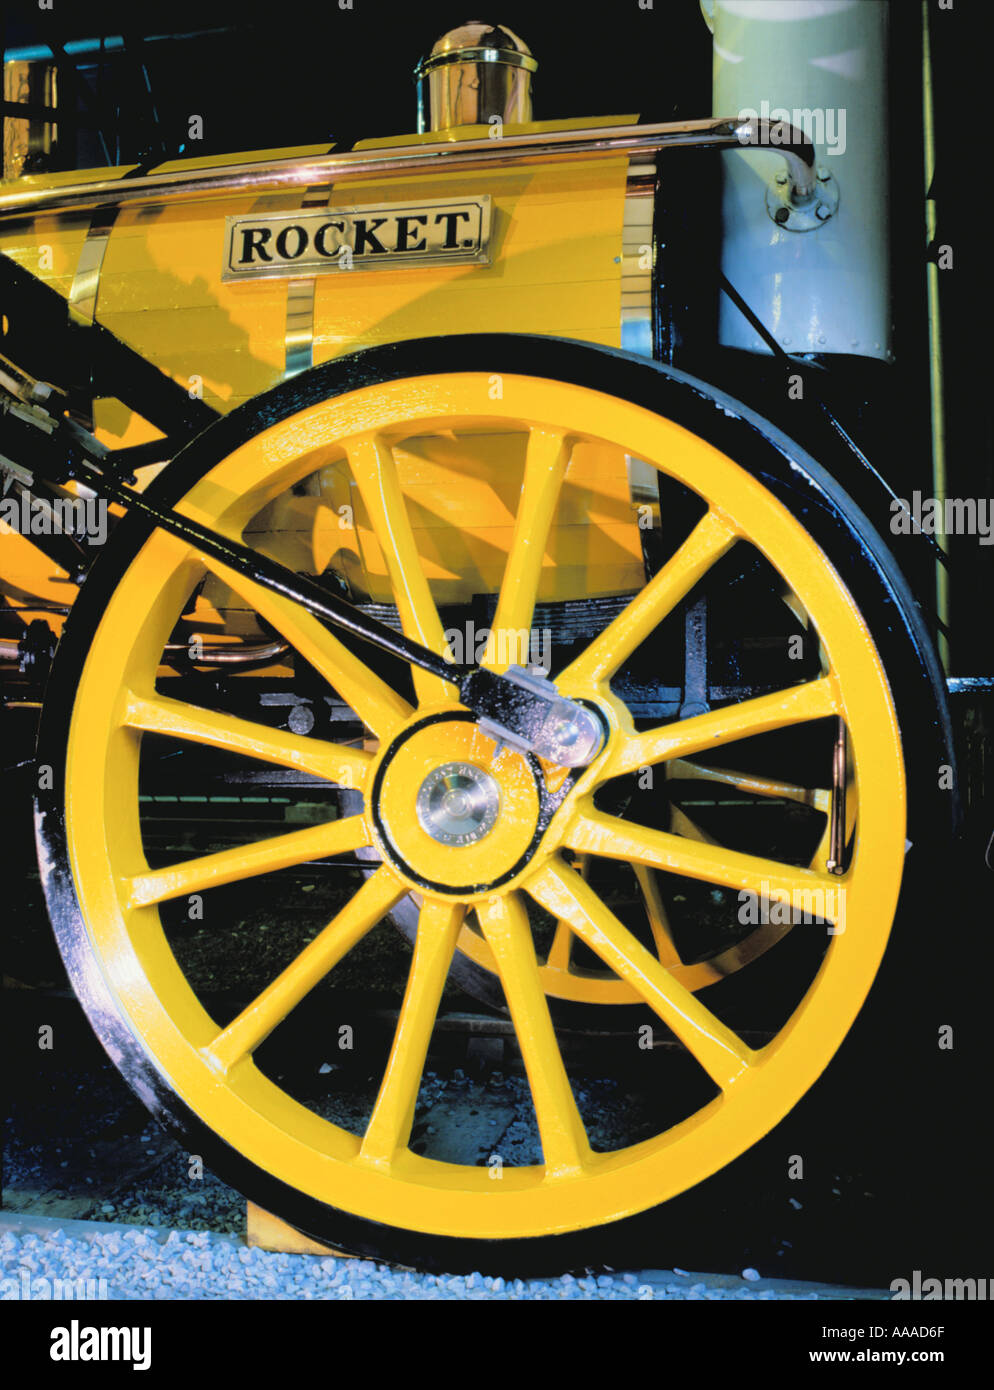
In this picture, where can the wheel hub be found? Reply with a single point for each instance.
(458, 804)
(451, 813)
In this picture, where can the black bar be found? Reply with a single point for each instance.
(299, 588)
(88, 360)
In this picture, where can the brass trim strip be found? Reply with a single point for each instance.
(299, 338)
(86, 281)
(300, 297)
(636, 277)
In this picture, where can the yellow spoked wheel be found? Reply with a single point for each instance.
(457, 826)
(564, 980)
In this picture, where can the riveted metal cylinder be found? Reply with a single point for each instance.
(475, 75)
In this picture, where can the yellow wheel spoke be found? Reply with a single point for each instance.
(158, 714)
(655, 910)
(545, 467)
(254, 1024)
(389, 1126)
(813, 700)
(681, 824)
(562, 891)
(374, 469)
(381, 708)
(245, 861)
(806, 890)
(710, 539)
(561, 949)
(504, 923)
(684, 770)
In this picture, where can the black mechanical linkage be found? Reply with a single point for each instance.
(87, 360)
(520, 708)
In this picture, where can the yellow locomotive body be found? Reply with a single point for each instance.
(720, 618)
(569, 256)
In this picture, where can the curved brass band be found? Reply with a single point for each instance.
(86, 281)
(300, 294)
(298, 335)
(509, 56)
(299, 338)
(637, 258)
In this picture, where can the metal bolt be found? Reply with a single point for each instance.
(300, 719)
(781, 178)
(823, 174)
(781, 216)
(823, 212)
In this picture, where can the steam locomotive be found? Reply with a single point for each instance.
(368, 476)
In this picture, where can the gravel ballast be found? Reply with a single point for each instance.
(151, 1263)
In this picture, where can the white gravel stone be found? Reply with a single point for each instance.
(145, 1263)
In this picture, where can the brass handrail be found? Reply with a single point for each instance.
(304, 171)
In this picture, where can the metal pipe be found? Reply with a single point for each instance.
(791, 144)
(230, 654)
(837, 827)
(935, 381)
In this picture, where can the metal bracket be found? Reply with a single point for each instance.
(806, 214)
(525, 711)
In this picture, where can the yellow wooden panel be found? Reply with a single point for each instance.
(462, 495)
(580, 562)
(556, 269)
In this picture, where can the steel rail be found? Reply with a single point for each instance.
(791, 144)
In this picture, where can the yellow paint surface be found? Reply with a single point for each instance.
(556, 269)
